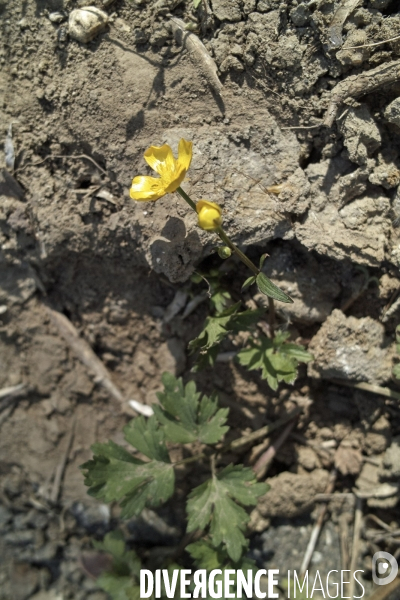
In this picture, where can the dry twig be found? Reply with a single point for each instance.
(369, 387)
(60, 469)
(359, 85)
(84, 352)
(262, 464)
(318, 525)
(358, 518)
(198, 53)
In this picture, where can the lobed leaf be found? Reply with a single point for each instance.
(186, 417)
(215, 504)
(114, 474)
(277, 360)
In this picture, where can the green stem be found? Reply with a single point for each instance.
(236, 250)
(186, 198)
(228, 242)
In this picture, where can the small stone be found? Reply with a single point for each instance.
(86, 23)
(57, 17)
(392, 112)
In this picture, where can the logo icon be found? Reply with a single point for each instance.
(384, 563)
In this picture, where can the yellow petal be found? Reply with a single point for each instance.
(160, 159)
(209, 215)
(184, 154)
(145, 188)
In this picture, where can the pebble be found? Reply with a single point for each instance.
(57, 17)
(86, 22)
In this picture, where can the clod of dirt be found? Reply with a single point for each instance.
(308, 283)
(227, 10)
(349, 55)
(391, 461)
(348, 460)
(361, 135)
(86, 22)
(392, 112)
(352, 349)
(377, 494)
(291, 494)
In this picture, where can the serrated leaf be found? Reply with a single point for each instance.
(113, 543)
(249, 281)
(114, 474)
(188, 417)
(277, 360)
(268, 288)
(145, 435)
(125, 562)
(244, 320)
(215, 329)
(206, 358)
(119, 587)
(220, 300)
(206, 556)
(214, 504)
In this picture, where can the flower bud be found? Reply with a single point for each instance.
(209, 215)
(224, 252)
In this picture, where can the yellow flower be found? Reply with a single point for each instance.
(209, 214)
(171, 171)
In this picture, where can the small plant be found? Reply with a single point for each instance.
(216, 508)
(144, 475)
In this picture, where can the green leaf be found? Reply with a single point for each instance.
(119, 587)
(220, 300)
(114, 474)
(277, 360)
(196, 3)
(262, 260)
(215, 504)
(144, 435)
(214, 331)
(249, 281)
(268, 288)
(206, 556)
(396, 371)
(188, 417)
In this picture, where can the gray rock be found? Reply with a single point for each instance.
(86, 23)
(361, 135)
(392, 112)
(351, 349)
